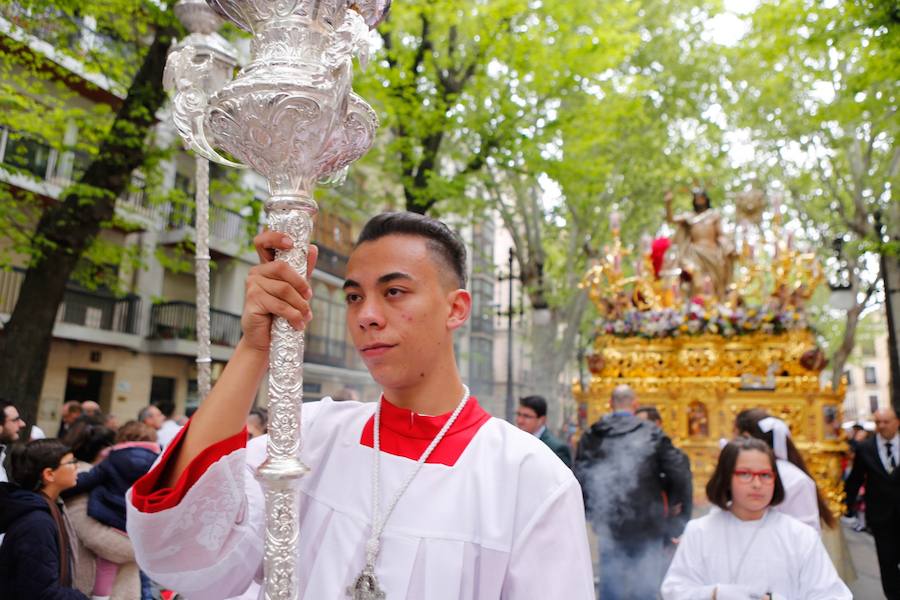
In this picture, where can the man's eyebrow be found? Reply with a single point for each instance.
(392, 277)
(387, 278)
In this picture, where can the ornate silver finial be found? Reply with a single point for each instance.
(292, 116)
(197, 16)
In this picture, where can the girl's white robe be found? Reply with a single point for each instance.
(787, 559)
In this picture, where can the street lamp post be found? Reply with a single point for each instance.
(201, 21)
(842, 297)
(509, 313)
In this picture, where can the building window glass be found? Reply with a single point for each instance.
(867, 347)
(873, 403)
(162, 389)
(871, 377)
(27, 154)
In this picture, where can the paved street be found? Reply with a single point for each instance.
(862, 551)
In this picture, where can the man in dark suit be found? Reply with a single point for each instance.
(532, 417)
(876, 465)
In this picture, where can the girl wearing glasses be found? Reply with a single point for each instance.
(802, 499)
(36, 555)
(746, 551)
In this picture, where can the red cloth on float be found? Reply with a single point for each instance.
(658, 253)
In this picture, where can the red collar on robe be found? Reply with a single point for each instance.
(407, 434)
(403, 433)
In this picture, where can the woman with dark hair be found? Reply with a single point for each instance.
(744, 551)
(802, 498)
(37, 557)
(96, 541)
(106, 483)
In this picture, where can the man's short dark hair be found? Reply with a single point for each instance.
(166, 407)
(441, 240)
(718, 489)
(536, 403)
(4, 404)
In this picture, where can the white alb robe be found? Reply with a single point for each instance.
(800, 499)
(506, 522)
(786, 559)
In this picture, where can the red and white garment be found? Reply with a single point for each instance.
(493, 514)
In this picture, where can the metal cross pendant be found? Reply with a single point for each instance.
(366, 586)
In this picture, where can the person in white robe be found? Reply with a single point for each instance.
(745, 550)
(800, 498)
(492, 514)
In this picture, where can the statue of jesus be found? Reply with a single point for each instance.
(702, 253)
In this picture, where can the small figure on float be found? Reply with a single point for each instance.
(702, 253)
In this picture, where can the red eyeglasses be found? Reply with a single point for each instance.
(744, 476)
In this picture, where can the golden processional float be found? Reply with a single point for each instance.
(703, 330)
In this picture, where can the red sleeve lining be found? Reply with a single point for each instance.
(148, 497)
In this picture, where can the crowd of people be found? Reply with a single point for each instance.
(62, 500)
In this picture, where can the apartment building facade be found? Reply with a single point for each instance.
(867, 372)
(126, 350)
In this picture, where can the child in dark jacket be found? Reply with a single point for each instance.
(36, 557)
(127, 461)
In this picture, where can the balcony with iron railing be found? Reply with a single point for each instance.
(178, 320)
(91, 309)
(327, 351)
(81, 38)
(229, 230)
(331, 262)
(29, 163)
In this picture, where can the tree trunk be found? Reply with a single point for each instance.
(890, 273)
(67, 228)
(843, 352)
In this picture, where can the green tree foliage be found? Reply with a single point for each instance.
(481, 101)
(815, 87)
(83, 81)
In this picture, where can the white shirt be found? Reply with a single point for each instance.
(37, 433)
(506, 521)
(167, 432)
(777, 555)
(894, 442)
(3, 477)
(800, 499)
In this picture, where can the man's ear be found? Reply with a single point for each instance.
(460, 307)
